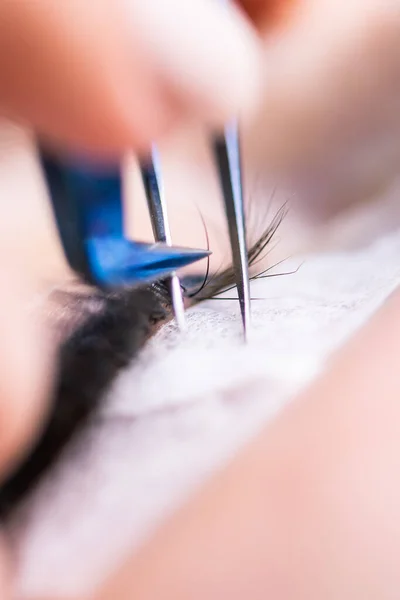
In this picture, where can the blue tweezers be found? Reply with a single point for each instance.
(88, 208)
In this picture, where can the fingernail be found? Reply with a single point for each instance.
(205, 51)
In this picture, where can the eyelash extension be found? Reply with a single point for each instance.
(108, 334)
(224, 280)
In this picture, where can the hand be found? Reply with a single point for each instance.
(111, 75)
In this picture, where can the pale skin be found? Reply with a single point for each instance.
(309, 510)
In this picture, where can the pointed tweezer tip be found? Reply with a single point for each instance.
(177, 257)
(118, 261)
(246, 321)
(160, 247)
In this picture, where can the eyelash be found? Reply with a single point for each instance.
(223, 281)
(107, 341)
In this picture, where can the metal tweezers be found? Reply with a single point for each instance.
(88, 207)
(226, 149)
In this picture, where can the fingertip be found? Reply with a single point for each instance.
(207, 54)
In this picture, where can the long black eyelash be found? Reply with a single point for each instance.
(204, 282)
(88, 363)
(225, 280)
(262, 275)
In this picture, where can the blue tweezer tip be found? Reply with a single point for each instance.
(87, 204)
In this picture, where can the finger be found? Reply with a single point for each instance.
(330, 118)
(66, 70)
(111, 75)
(206, 53)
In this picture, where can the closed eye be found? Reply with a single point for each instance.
(101, 334)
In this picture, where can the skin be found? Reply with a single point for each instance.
(104, 77)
